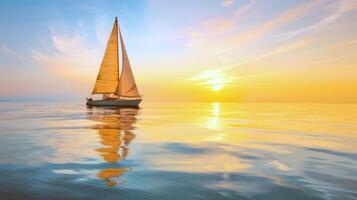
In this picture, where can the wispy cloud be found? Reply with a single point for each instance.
(345, 55)
(269, 26)
(73, 59)
(68, 44)
(330, 59)
(281, 49)
(5, 50)
(102, 28)
(285, 48)
(222, 72)
(221, 35)
(346, 43)
(339, 9)
(226, 3)
(214, 26)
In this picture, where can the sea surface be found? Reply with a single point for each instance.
(64, 150)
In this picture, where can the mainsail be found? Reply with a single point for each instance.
(127, 86)
(108, 76)
(108, 81)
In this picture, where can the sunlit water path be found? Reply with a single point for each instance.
(178, 151)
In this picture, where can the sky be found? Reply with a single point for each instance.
(183, 50)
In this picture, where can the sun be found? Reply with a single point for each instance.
(214, 80)
(216, 87)
(216, 83)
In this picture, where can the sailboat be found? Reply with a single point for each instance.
(116, 91)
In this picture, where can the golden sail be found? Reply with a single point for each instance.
(127, 85)
(108, 76)
(116, 91)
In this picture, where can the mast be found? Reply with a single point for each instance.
(108, 76)
(117, 88)
(127, 86)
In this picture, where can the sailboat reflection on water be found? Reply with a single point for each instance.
(115, 134)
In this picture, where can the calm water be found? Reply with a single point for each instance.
(178, 151)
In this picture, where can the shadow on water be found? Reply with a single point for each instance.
(115, 130)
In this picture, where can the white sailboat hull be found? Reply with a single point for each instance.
(115, 103)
